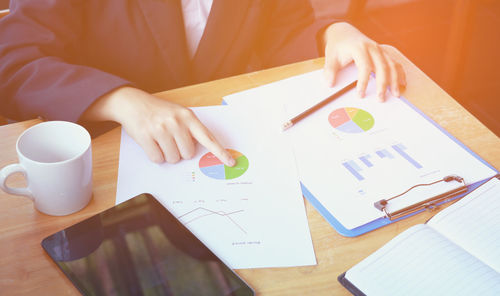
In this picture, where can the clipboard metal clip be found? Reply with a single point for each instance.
(431, 203)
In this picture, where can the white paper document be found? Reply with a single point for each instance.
(354, 152)
(251, 215)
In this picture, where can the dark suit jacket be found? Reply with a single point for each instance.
(59, 56)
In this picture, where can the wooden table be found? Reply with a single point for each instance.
(26, 269)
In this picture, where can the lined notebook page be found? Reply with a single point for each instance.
(474, 223)
(420, 261)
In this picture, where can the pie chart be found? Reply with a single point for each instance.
(351, 120)
(212, 167)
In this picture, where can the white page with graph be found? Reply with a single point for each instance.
(251, 215)
(456, 253)
(354, 152)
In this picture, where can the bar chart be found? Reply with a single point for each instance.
(372, 160)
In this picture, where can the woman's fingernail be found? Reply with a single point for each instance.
(381, 97)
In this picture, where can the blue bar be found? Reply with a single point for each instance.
(380, 154)
(399, 149)
(353, 171)
(365, 160)
(388, 154)
(354, 165)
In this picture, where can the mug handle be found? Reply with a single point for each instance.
(4, 175)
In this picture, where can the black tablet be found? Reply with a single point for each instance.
(139, 248)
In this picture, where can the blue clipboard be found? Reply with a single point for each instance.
(380, 222)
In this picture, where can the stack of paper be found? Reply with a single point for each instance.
(349, 154)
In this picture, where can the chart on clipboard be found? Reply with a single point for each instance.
(354, 152)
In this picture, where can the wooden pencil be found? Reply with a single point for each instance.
(318, 106)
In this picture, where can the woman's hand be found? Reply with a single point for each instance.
(345, 44)
(166, 131)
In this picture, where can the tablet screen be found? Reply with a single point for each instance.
(139, 248)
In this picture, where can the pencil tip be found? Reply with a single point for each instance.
(286, 125)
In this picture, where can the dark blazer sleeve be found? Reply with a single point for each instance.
(40, 71)
(291, 34)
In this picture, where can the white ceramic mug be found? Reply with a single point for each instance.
(56, 160)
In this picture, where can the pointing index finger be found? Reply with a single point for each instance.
(207, 140)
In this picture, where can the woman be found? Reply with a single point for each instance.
(99, 60)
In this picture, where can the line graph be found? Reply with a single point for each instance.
(201, 212)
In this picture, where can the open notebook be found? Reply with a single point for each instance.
(457, 252)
